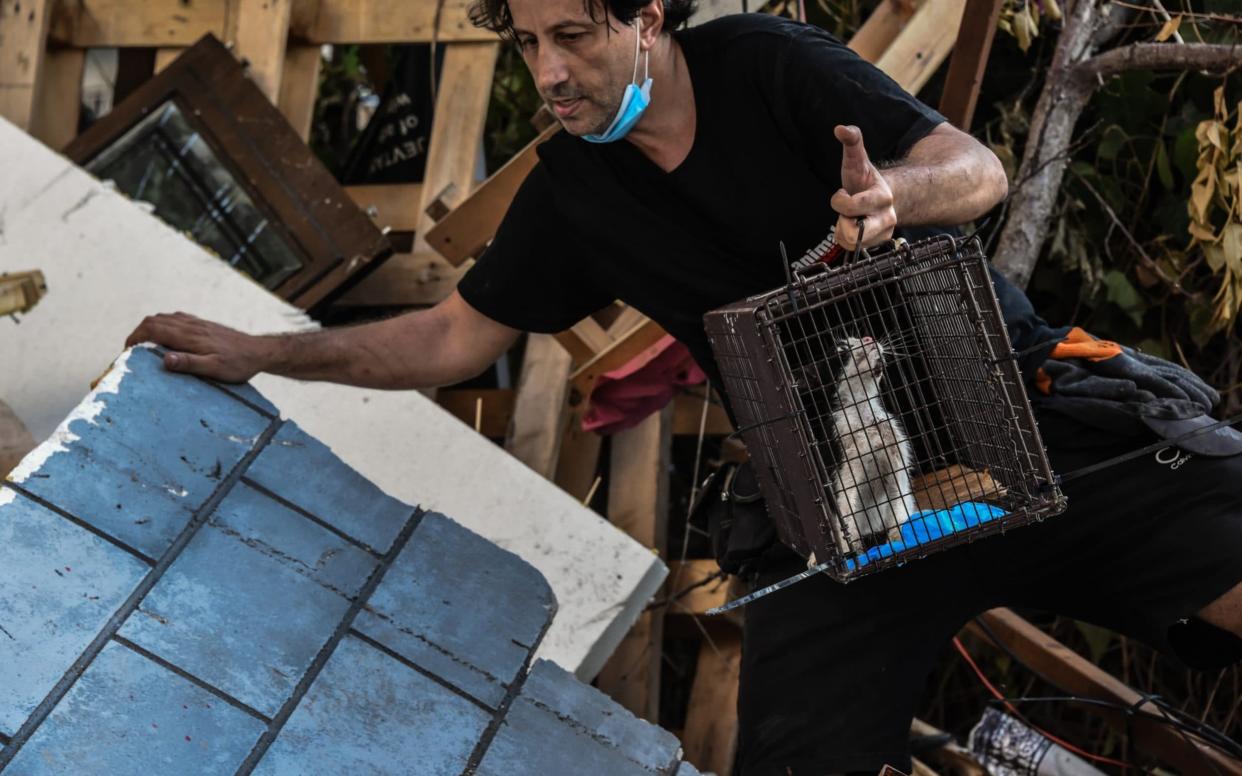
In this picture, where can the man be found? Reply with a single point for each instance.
(672, 194)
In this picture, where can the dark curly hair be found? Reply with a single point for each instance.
(494, 14)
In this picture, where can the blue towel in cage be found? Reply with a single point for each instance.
(927, 526)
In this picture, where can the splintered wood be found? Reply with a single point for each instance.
(946, 488)
(20, 291)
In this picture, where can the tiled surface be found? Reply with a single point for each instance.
(336, 493)
(288, 618)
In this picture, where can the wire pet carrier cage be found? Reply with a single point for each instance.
(883, 408)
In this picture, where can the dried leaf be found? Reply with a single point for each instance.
(1052, 10)
(1169, 29)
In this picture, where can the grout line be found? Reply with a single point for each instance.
(325, 652)
(154, 658)
(364, 638)
(502, 711)
(45, 707)
(240, 399)
(319, 521)
(79, 522)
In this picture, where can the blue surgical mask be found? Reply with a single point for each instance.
(633, 103)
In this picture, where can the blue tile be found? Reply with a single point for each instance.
(247, 619)
(556, 691)
(366, 713)
(153, 455)
(248, 393)
(303, 471)
(59, 585)
(460, 607)
(558, 726)
(128, 715)
(272, 528)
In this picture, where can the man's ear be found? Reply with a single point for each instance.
(651, 22)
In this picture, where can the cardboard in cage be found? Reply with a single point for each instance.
(883, 408)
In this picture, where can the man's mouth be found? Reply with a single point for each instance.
(566, 108)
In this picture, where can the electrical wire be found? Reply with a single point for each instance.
(1099, 758)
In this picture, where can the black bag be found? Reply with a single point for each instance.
(730, 508)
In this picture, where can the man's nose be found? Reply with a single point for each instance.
(550, 71)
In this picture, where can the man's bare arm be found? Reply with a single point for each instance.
(427, 348)
(947, 178)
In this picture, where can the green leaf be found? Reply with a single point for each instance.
(1163, 169)
(1112, 142)
(1124, 295)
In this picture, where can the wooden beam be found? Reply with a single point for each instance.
(535, 435)
(923, 44)
(466, 230)
(125, 23)
(15, 441)
(683, 574)
(584, 340)
(688, 413)
(578, 463)
(258, 31)
(617, 355)
(882, 28)
(20, 291)
(388, 21)
(452, 156)
(299, 88)
(496, 405)
(1076, 675)
(969, 61)
(165, 23)
(23, 38)
(710, 735)
(638, 505)
(59, 101)
(428, 280)
(391, 205)
(166, 56)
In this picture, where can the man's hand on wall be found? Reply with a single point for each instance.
(864, 194)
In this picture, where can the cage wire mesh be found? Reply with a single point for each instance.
(883, 408)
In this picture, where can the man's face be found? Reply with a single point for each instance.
(581, 68)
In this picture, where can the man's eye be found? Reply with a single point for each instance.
(525, 43)
(570, 37)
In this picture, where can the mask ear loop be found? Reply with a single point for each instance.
(638, 33)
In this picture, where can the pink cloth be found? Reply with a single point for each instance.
(623, 397)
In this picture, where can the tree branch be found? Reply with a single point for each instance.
(1161, 56)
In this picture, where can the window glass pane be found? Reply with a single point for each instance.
(166, 162)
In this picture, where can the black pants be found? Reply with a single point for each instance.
(831, 673)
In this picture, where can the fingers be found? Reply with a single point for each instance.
(875, 231)
(857, 172)
(869, 202)
(168, 330)
(188, 363)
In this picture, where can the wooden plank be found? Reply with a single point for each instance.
(535, 435)
(923, 44)
(882, 28)
(20, 291)
(688, 413)
(395, 204)
(15, 441)
(389, 21)
(710, 735)
(452, 156)
(584, 340)
(951, 756)
(428, 281)
(23, 37)
(496, 405)
(258, 31)
(59, 101)
(108, 23)
(638, 505)
(578, 462)
(615, 356)
(683, 574)
(969, 60)
(299, 88)
(121, 23)
(1076, 675)
(466, 230)
(166, 56)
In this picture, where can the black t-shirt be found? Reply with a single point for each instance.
(595, 223)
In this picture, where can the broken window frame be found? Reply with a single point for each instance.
(338, 244)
